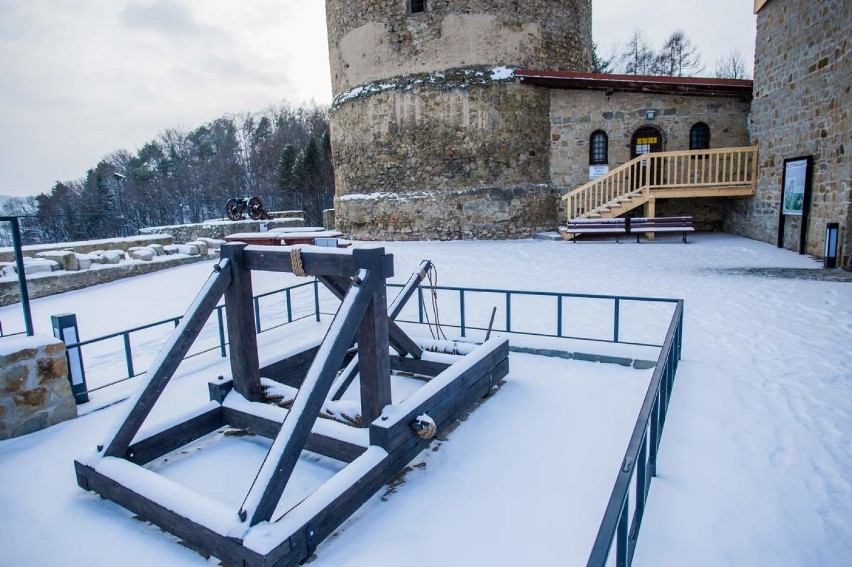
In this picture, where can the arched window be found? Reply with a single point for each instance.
(699, 137)
(417, 6)
(598, 148)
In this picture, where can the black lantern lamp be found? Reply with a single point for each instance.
(832, 229)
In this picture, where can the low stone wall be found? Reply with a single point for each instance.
(219, 229)
(34, 388)
(478, 213)
(42, 285)
(86, 246)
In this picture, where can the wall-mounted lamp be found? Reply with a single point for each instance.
(830, 253)
(651, 114)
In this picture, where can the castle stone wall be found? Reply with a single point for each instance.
(434, 139)
(803, 97)
(425, 104)
(375, 39)
(34, 388)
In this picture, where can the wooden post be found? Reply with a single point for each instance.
(245, 367)
(651, 212)
(373, 355)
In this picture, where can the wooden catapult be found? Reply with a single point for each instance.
(390, 436)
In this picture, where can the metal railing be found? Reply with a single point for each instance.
(559, 299)
(619, 526)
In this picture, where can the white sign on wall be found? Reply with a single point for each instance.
(596, 171)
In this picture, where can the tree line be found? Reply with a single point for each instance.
(282, 154)
(677, 57)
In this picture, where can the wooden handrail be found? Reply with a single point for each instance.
(636, 179)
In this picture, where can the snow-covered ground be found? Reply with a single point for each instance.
(753, 468)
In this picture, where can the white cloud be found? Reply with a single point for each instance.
(83, 78)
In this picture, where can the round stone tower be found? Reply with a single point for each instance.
(431, 135)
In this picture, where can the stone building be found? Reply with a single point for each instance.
(468, 119)
(432, 137)
(802, 102)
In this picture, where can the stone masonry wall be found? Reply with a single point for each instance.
(86, 246)
(576, 114)
(34, 388)
(474, 213)
(375, 39)
(428, 139)
(802, 104)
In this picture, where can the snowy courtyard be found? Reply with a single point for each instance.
(753, 466)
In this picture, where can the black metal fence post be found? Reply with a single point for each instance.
(22, 276)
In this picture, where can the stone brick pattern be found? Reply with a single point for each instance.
(219, 229)
(34, 388)
(436, 139)
(475, 213)
(375, 39)
(803, 97)
(575, 114)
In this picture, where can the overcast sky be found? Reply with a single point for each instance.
(80, 79)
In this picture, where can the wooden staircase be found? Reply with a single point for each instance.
(725, 172)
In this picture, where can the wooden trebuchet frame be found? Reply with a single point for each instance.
(251, 535)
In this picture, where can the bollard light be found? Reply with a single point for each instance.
(65, 329)
(832, 229)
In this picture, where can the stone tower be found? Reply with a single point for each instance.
(431, 135)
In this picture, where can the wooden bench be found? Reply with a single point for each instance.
(579, 227)
(627, 226)
(645, 225)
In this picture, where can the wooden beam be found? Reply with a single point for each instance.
(415, 366)
(388, 434)
(409, 288)
(398, 339)
(168, 360)
(229, 550)
(315, 261)
(292, 369)
(322, 444)
(175, 437)
(242, 336)
(266, 491)
(373, 357)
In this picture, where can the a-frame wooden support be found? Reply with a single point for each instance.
(358, 277)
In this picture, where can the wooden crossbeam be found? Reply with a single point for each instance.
(409, 288)
(399, 339)
(167, 362)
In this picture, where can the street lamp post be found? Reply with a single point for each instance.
(119, 178)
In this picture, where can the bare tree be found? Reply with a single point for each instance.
(678, 57)
(603, 63)
(731, 66)
(637, 57)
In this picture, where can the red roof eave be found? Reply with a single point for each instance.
(637, 83)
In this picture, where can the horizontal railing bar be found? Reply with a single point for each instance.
(194, 354)
(171, 320)
(549, 293)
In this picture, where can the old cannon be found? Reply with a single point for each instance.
(236, 207)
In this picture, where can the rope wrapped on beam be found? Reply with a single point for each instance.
(296, 261)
